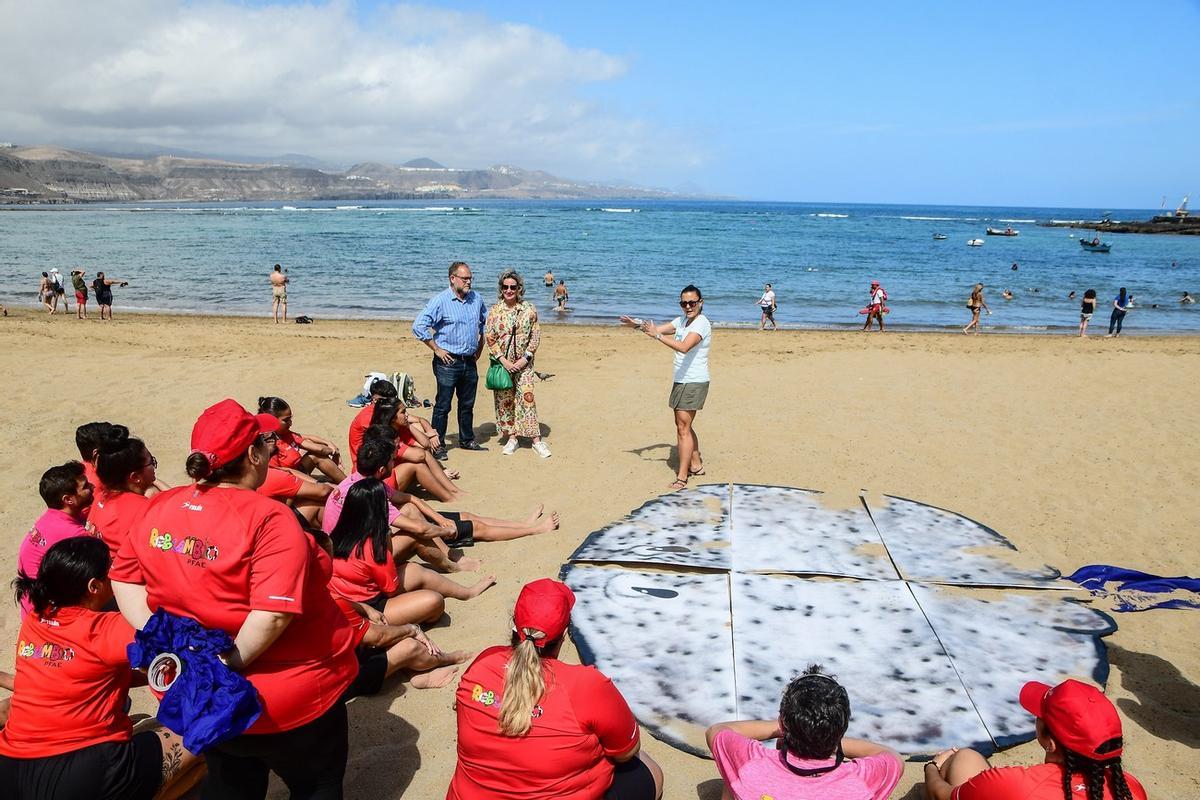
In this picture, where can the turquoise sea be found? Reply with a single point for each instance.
(384, 259)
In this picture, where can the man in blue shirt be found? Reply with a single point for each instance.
(452, 327)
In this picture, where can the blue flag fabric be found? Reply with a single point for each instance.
(1138, 586)
(207, 702)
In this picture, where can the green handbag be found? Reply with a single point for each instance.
(498, 378)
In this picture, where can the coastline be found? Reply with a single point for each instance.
(1077, 452)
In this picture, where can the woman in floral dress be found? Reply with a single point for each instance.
(513, 335)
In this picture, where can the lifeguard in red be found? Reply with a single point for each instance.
(214, 553)
(580, 724)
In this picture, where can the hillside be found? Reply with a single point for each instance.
(54, 174)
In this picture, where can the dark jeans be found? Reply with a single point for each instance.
(1118, 317)
(310, 759)
(461, 377)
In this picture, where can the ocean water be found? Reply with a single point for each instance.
(385, 259)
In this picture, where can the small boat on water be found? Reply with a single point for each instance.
(1095, 245)
(1006, 232)
(974, 242)
(940, 236)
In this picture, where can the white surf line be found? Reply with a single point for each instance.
(737, 698)
(907, 585)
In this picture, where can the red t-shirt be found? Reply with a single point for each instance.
(214, 553)
(581, 722)
(358, 430)
(280, 484)
(287, 450)
(360, 578)
(113, 514)
(72, 680)
(1043, 782)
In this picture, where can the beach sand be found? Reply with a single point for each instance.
(1079, 452)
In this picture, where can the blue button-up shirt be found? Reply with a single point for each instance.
(454, 324)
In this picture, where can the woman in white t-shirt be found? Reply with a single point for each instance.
(767, 304)
(690, 336)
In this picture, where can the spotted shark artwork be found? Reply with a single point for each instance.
(703, 604)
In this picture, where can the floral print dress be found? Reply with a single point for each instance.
(516, 411)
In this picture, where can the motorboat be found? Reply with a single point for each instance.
(974, 242)
(1006, 232)
(940, 236)
(1095, 245)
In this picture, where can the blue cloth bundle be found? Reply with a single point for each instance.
(1138, 586)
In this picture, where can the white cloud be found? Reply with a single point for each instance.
(318, 79)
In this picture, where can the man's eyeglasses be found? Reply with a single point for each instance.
(688, 303)
(466, 279)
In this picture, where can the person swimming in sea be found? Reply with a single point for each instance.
(1007, 294)
(548, 278)
(1187, 299)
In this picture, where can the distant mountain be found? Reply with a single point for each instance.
(46, 173)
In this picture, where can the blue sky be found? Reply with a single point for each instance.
(1046, 104)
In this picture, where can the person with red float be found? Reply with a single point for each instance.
(535, 727)
(224, 555)
(68, 736)
(1079, 729)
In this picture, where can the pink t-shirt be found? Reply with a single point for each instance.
(337, 499)
(51, 528)
(752, 771)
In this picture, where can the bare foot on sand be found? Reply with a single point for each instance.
(456, 657)
(550, 523)
(467, 564)
(533, 515)
(452, 474)
(435, 678)
(481, 586)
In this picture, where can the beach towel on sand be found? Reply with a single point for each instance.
(204, 701)
(1139, 591)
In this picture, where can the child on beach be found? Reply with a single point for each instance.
(814, 758)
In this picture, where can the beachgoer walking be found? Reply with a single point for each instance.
(102, 286)
(279, 282)
(1086, 308)
(513, 334)
(560, 295)
(255, 574)
(976, 303)
(766, 305)
(1121, 304)
(46, 294)
(81, 293)
(60, 291)
(531, 725)
(691, 339)
(548, 278)
(875, 307)
(451, 325)
(1079, 730)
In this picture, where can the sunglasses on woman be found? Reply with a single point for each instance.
(688, 303)
(509, 287)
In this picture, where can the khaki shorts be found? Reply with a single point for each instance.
(279, 292)
(688, 396)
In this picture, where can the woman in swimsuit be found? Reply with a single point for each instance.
(976, 304)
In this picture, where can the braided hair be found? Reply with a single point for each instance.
(1095, 772)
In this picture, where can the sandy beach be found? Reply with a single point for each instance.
(1079, 452)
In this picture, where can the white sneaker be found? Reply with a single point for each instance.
(510, 446)
(542, 449)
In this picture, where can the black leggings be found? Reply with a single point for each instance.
(310, 759)
(1118, 317)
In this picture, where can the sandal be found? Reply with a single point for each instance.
(694, 473)
(677, 484)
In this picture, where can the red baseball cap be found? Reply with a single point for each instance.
(1077, 714)
(544, 605)
(225, 430)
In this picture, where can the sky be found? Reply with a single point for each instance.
(1030, 104)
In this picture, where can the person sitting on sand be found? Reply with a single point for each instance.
(414, 454)
(365, 571)
(1187, 299)
(560, 296)
(535, 727)
(67, 494)
(102, 286)
(68, 734)
(1080, 732)
(127, 473)
(384, 390)
(297, 452)
(814, 757)
(302, 492)
(279, 281)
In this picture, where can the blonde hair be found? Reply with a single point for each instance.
(524, 685)
(516, 276)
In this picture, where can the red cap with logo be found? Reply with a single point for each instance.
(544, 606)
(225, 430)
(1077, 715)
